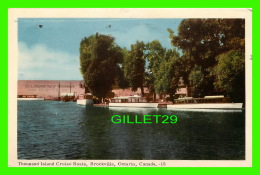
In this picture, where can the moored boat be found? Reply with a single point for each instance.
(66, 97)
(85, 99)
(208, 102)
(131, 101)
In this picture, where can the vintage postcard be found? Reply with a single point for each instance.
(130, 87)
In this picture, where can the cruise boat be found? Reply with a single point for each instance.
(66, 97)
(131, 101)
(85, 99)
(208, 102)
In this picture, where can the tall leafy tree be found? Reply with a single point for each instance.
(99, 61)
(230, 74)
(134, 66)
(196, 76)
(167, 77)
(201, 42)
(154, 56)
(121, 81)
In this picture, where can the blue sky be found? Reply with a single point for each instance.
(51, 52)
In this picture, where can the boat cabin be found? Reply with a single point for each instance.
(129, 99)
(67, 97)
(26, 96)
(206, 99)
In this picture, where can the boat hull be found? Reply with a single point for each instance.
(134, 105)
(85, 102)
(207, 106)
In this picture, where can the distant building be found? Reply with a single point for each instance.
(183, 90)
(49, 89)
(55, 89)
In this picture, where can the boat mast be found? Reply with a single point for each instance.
(59, 91)
(70, 87)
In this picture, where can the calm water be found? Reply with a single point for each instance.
(60, 130)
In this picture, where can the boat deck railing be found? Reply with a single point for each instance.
(202, 100)
(27, 96)
(137, 100)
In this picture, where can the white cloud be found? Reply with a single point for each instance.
(39, 62)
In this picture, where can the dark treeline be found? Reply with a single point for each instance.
(212, 61)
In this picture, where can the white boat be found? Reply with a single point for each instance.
(131, 101)
(206, 110)
(208, 102)
(207, 106)
(85, 102)
(85, 99)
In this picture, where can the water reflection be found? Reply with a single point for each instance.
(197, 135)
(78, 132)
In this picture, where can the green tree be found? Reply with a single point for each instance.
(121, 81)
(99, 61)
(201, 42)
(167, 76)
(134, 66)
(154, 56)
(230, 74)
(197, 77)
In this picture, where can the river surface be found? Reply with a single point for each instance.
(64, 130)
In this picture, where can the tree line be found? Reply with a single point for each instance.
(210, 57)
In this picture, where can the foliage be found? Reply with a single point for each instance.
(154, 57)
(99, 58)
(202, 41)
(134, 66)
(167, 76)
(211, 61)
(230, 74)
(196, 76)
